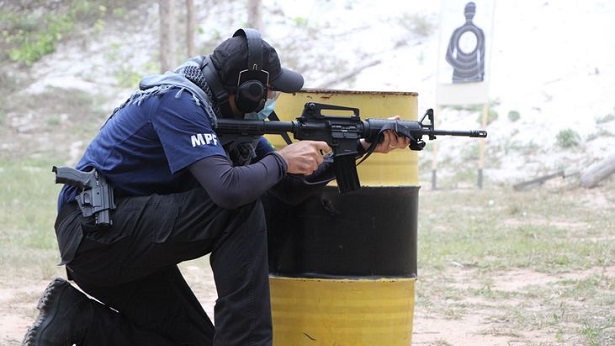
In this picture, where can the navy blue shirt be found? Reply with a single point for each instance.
(145, 146)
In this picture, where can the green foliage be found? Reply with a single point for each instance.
(605, 119)
(301, 22)
(125, 74)
(120, 13)
(28, 35)
(568, 138)
(514, 116)
(418, 25)
(492, 115)
(128, 79)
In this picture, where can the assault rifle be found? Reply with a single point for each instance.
(342, 133)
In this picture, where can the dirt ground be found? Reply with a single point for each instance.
(480, 328)
(18, 297)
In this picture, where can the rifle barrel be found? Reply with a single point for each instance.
(468, 133)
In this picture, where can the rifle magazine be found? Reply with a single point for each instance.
(346, 173)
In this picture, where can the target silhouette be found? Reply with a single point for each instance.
(466, 50)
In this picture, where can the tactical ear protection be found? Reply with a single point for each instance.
(251, 92)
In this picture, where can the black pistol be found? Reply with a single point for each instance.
(96, 197)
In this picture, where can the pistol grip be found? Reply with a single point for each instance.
(72, 176)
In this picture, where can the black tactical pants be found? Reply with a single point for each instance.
(132, 268)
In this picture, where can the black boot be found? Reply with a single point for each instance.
(65, 314)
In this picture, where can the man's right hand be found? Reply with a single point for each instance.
(304, 157)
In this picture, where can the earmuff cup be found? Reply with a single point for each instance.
(251, 92)
(251, 96)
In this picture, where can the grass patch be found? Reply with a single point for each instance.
(558, 245)
(27, 214)
(494, 230)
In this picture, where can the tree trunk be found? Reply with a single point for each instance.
(167, 34)
(190, 27)
(598, 172)
(255, 20)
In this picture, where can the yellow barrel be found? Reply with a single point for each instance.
(343, 266)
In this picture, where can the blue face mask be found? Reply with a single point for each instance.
(263, 113)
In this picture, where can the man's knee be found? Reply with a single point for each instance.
(251, 217)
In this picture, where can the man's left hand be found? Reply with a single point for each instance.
(390, 140)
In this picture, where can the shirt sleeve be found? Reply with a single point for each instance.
(185, 131)
(231, 187)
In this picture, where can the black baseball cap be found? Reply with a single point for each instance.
(231, 57)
